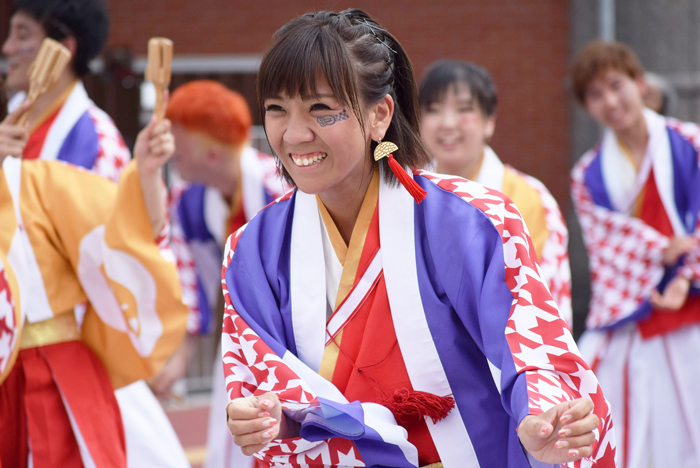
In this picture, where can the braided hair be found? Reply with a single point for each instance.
(362, 63)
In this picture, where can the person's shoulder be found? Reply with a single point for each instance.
(470, 198)
(688, 131)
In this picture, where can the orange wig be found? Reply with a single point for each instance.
(210, 108)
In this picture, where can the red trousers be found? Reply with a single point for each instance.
(47, 387)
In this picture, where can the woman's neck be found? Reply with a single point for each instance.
(227, 176)
(47, 100)
(344, 205)
(467, 169)
(634, 139)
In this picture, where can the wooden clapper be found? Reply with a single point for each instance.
(45, 70)
(160, 58)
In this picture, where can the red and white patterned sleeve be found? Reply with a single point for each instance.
(540, 343)
(113, 154)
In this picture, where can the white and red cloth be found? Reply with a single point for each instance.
(643, 357)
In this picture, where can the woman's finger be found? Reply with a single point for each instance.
(15, 115)
(578, 410)
(250, 426)
(578, 453)
(584, 440)
(262, 437)
(14, 150)
(579, 427)
(14, 132)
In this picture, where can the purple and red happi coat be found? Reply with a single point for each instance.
(472, 314)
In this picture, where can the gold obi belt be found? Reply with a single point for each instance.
(59, 329)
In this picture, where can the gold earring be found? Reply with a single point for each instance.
(383, 149)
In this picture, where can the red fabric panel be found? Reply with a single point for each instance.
(370, 365)
(31, 407)
(13, 422)
(659, 322)
(36, 140)
(39, 414)
(90, 396)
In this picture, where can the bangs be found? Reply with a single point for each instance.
(437, 82)
(300, 55)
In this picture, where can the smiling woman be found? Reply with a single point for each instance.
(373, 329)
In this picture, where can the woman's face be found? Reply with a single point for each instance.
(454, 129)
(615, 100)
(21, 48)
(319, 142)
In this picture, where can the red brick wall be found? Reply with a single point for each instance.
(523, 43)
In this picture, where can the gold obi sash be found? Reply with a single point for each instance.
(59, 329)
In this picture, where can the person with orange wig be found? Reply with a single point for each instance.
(225, 182)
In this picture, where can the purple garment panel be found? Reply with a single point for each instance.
(258, 275)
(686, 178)
(81, 145)
(190, 210)
(595, 183)
(461, 276)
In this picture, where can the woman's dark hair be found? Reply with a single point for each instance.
(85, 20)
(362, 62)
(444, 74)
(3, 100)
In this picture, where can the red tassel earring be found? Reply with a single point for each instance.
(386, 148)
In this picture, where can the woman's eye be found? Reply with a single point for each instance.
(273, 108)
(319, 106)
(466, 109)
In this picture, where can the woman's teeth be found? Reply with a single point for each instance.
(308, 159)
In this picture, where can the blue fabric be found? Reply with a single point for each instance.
(81, 146)
(190, 210)
(461, 276)
(595, 183)
(204, 308)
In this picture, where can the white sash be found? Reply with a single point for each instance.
(492, 170)
(397, 257)
(75, 106)
(624, 183)
(33, 299)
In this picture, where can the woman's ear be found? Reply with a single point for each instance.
(71, 44)
(380, 116)
(489, 127)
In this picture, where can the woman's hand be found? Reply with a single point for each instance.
(13, 137)
(674, 295)
(562, 434)
(154, 146)
(678, 246)
(255, 421)
(173, 370)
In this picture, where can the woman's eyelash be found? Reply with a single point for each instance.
(320, 107)
(272, 107)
